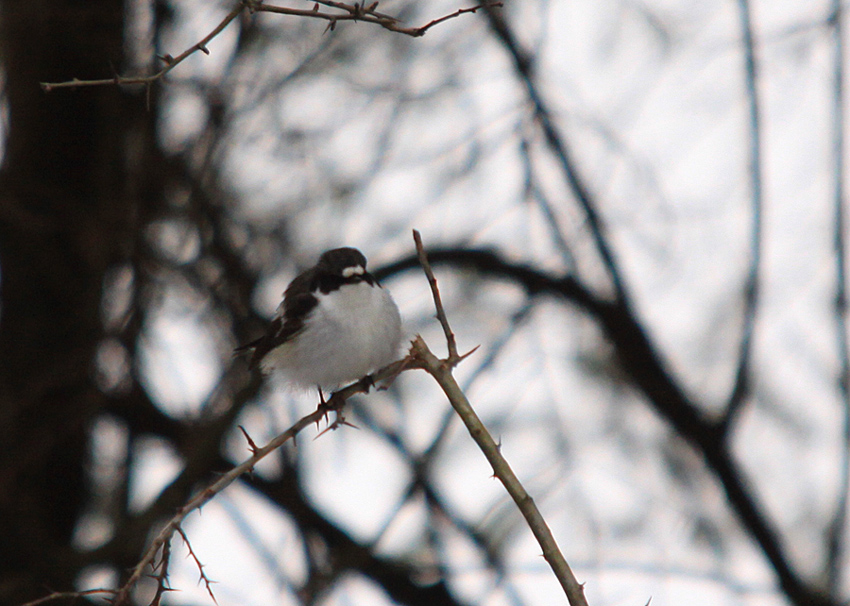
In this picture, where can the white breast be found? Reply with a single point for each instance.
(352, 332)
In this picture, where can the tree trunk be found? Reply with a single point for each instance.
(66, 215)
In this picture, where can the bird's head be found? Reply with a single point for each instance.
(344, 262)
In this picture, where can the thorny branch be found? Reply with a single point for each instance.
(163, 538)
(161, 576)
(200, 566)
(441, 370)
(435, 292)
(158, 555)
(346, 12)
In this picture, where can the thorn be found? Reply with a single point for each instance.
(338, 422)
(331, 26)
(203, 49)
(316, 7)
(324, 431)
(254, 448)
(467, 354)
(166, 58)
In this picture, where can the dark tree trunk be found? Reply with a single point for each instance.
(66, 215)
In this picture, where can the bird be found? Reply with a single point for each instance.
(336, 324)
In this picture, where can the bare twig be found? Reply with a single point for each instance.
(441, 370)
(837, 529)
(200, 566)
(161, 577)
(740, 386)
(68, 595)
(435, 292)
(349, 12)
(170, 62)
(358, 12)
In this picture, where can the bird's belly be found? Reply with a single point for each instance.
(350, 333)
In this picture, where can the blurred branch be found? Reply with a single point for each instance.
(402, 581)
(644, 364)
(837, 530)
(524, 66)
(534, 192)
(740, 387)
(69, 595)
(441, 370)
(347, 12)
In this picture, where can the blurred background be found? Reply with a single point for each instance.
(634, 207)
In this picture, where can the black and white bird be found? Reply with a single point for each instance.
(336, 324)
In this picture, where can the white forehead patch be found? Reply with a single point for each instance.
(357, 270)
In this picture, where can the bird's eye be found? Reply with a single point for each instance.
(356, 270)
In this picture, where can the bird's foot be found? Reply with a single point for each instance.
(366, 383)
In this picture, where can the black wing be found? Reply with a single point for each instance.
(298, 301)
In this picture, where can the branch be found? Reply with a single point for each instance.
(161, 577)
(359, 12)
(740, 387)
(349, 12)
(194, 556)
(524, 66)
(334, 404)
(441, 370)
(644, 363)
(68, 595)
(435, 292)
(501, 469)
(170, 62)
(837, 529)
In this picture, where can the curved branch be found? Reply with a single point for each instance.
(644, 364)
(358, 11)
